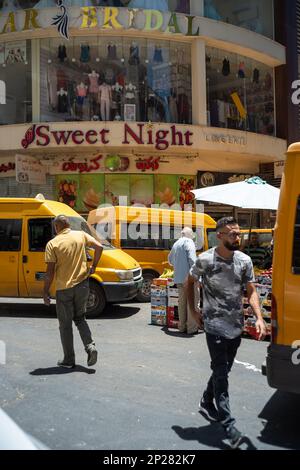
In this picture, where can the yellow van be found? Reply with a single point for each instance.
(148, 234)
(25, 228)
(264, 236)
(283, 357)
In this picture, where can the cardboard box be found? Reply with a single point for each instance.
(172, 291)
(172, 301)
(159, 316)
(160, 282)
(159, 301)
(158, 291)
(172, 317)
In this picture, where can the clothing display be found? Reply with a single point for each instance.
(255, 78)
(62, 52)
(173, 108)
(62, 102)
(183, 108)
(226, 67)
(134, 54)
(183, 6)
(241, 71)
(105, 99)
(52, 86)
(130, 91)
(93, 79)
(112, 52)
(157, 56)
(85, 53)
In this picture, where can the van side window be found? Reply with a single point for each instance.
(296, 247)
(40, 232)
(10, 234)
(140, 236)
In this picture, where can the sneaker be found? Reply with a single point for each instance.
(234, 437)
(208, 409)
(92, 356)
(67, 365)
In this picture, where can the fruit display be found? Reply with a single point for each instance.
(67, 192)
(185, 187)
(167, 273)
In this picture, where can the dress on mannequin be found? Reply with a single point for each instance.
(93, 79)
(105, 98)
(81, 92)
(62, 101)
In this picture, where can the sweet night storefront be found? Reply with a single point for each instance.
(144, 67)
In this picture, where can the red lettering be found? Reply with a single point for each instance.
(45, 137)
(95, 165)
(150, 137)
(188, 134)
(161, 142)
(62, 136)
(7, 167)
(103, 139)
(128, 130)
(89, 136)
(75, 137)
(82, 167)
(176, 134)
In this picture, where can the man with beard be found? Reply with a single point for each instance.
(223, 271)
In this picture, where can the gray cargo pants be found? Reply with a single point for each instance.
(71, 306)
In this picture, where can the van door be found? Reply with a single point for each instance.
(10, 247)
(39, 232)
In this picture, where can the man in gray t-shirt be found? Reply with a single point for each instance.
(224, 272)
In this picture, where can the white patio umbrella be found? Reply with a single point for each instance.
(253, 193)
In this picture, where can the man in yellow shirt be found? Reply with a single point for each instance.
(66, 261)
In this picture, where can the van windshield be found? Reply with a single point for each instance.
(78, 223)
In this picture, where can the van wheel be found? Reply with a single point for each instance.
(144, 294)
(96, 301)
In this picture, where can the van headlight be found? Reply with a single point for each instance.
(124, 275)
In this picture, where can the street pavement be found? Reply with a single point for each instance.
(142, 394)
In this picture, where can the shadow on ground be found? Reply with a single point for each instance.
(211, 436)
(61, 370)
(39, 310)
(281, 418)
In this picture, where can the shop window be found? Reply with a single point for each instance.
(10, 234)
(114, 79)
(40, 232)
(255, 15)
(15, 72)
(240, 93)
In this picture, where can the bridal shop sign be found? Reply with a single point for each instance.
(104, 18)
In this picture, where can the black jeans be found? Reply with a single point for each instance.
(222, 353)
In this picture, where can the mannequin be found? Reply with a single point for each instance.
(62, 101)
(105, 99)
(134, 58)
(117, 89)
(93, 91)
(81, 92)
(130, 91)
(62, 52)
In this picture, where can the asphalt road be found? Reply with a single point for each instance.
(143, 393)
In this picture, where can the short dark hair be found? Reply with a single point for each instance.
(226, 221)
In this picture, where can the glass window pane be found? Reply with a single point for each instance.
(40, 232)
(10, 234)
(15, 72)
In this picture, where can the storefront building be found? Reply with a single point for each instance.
(140, 99)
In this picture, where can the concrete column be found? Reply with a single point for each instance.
(199, 82)
(197, 7)
(35, 70)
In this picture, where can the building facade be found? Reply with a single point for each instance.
(136, 98)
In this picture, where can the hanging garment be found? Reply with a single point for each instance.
(112, 52)
(62, 53)
(62, 81)
(105, 92)
(62, 103)
(183, 6)
(226, 67)
(241, 71)
(183, 108)
(52, 86)
(85, 53)
(157, 56)
(134, 58)
(255, 78)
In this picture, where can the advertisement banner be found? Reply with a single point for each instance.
(141, 189)
(29, 170)
(91, 192)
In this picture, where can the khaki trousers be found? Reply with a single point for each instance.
(186, 319)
